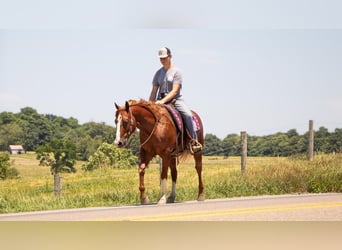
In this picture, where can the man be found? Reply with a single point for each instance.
(166, 87)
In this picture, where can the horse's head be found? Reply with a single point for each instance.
(125, 124)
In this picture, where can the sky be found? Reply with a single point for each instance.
(257, 66)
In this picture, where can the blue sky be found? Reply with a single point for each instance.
(260, 66)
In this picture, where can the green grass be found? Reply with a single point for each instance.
(113, 187)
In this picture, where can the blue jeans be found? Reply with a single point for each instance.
(187, 116)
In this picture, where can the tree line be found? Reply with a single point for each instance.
(278, 144)
(32, 130)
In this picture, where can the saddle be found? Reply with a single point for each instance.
(179, 123)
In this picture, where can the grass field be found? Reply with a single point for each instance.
(112, 187)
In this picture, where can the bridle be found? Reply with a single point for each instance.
(130, 123)
(131, 129)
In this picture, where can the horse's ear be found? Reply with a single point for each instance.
(116, 106)
(127, 106)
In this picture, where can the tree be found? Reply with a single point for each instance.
(99, 130)
(213, 145)
(7, 117)
(60, 155)
(37, 129)
(231, 145)
(89, 137)
(61, 126)
(336, 140)
(6, 171)
(10, 133)
(321, 140)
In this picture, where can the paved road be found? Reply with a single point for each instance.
(304, 207)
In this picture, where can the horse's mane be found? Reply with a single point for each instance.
(140, 102)
(154, 108)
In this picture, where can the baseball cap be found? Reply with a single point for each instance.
(164, 52)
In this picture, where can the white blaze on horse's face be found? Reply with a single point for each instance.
(118, 141)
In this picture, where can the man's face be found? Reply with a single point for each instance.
(166, 62)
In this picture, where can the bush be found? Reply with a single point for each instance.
(6, 171)
(108, 155)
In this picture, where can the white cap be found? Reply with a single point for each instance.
(164, 52)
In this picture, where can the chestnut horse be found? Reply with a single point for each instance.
(158, 136)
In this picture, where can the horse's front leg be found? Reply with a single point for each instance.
(163, 179)
(143, 196)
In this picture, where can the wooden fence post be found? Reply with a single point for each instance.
(243, 151)
(311, 141)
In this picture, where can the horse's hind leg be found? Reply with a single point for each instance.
(173, 166)
(198, 166)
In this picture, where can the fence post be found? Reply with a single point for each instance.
(243, 151)
(57, 184)
(311, 141)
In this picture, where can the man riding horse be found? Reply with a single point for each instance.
(166, 87)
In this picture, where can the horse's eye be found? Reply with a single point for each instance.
(125, 123)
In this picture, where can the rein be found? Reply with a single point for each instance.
(155, 123)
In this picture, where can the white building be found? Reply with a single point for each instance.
(16, 149)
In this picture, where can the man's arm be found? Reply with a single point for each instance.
(153, 93)
(175, 89)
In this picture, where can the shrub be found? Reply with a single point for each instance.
(108, 155)
(6, 171)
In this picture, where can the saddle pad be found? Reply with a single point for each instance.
(197, 123)
(177, 118)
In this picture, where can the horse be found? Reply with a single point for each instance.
(158, 136)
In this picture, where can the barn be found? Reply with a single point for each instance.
(16, 149)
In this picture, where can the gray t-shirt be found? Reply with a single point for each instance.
(165, 79)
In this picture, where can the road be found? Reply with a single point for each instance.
(302, 207)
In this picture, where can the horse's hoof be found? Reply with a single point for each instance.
(171, 199)
(201, 197)
(162, 200)
(144, 201)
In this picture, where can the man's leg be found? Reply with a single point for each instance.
(190, 124)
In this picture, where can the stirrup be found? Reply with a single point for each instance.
(195, 147)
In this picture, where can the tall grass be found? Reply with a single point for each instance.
(113, 187)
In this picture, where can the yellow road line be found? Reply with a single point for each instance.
(225, 212)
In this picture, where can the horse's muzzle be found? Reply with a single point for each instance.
(120, 143)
